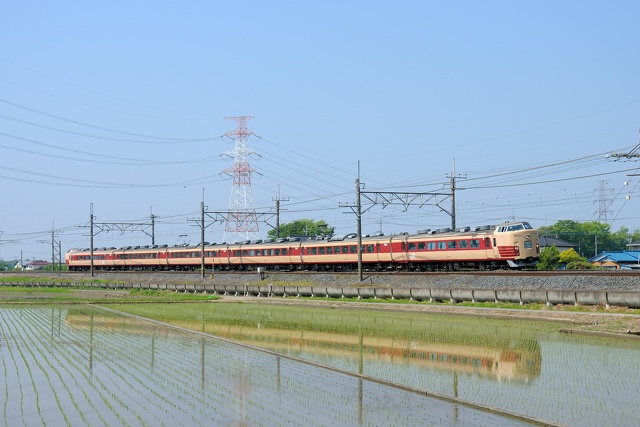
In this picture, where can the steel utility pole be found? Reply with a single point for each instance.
(278, 200)
(452, 186)
(91, 240)
(202, 236)
(359, 225)
(153, 226)
(53, 251)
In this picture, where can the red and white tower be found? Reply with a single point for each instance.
(242, 222)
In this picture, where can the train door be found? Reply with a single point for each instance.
(489, 247)
(398, 249)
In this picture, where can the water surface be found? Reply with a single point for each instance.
(86, 366)
(524, 367)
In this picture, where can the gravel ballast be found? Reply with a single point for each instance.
(588, 281)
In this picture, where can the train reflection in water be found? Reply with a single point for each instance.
(516, 361)
(503, 359)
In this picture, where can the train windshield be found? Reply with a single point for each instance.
(515, 227)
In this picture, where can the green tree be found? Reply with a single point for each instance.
(303, 227)
(570, 255)
(592, 237)
(549, 258)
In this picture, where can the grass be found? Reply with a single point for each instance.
(80, 295)
(42, 279)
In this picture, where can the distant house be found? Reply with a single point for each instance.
(634, 246)
(546, 241)
(37, 265)
(625, 260)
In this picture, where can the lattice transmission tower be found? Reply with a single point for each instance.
(604, 201)
(241, 222)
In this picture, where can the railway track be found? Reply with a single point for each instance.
(487, 273)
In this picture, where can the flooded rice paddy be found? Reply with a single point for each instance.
(80, 365)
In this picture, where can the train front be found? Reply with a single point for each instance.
(517, 244)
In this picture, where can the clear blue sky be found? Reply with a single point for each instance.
(121, 105)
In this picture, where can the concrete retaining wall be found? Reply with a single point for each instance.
(629, 299)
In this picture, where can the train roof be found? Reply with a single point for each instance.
(349, 237)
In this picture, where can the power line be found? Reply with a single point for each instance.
(88, 135)
(159, 138)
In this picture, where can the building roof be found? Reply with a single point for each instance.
(624, 257)
(546, 241)
(39, 263)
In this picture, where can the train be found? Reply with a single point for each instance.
(509, 245)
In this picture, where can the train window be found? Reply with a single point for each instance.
(314, 251)
(277, 252)
(528, 244)
(284, 251)
(370, 249)
(515, 227)
(421, 246)
(329, 250)
(452, 244)
(345, 249)
(475, 243)
(336, 250)
(431, 245)
(412, 246)
(321, 251)
(464, 244)
(442, 245)
(251, 252)
(494, 242)
(353, 249)
(265, 252)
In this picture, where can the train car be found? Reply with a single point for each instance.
(509, 245)
(512, 244)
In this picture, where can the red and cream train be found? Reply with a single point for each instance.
(509, 245)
